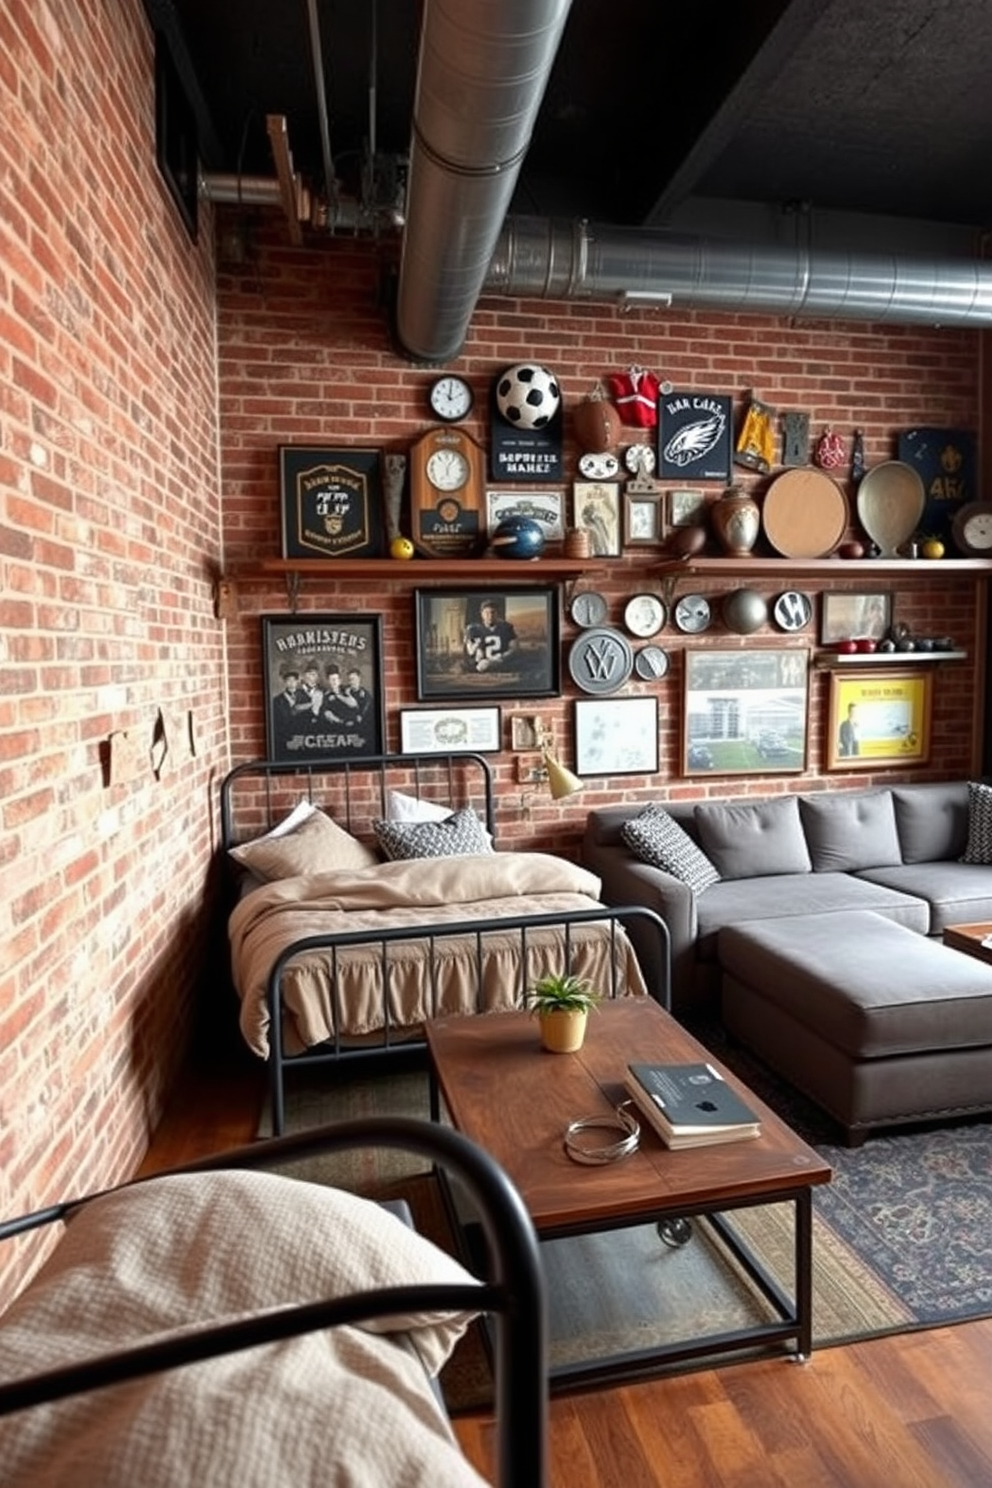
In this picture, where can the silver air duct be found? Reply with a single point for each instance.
(481, 76)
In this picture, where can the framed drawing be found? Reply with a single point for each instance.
(444, 730)
(879, 718)
(745, 712)
(694, 436)
(546, 508)
(643, 519)
(596, 507)
(528, 731)
(488, 643)
(686, 508)
(322, 676)
(616, 736)
(331, 501)
(848, 617)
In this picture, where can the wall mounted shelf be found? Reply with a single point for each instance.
(831, 660)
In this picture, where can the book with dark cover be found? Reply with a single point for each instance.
(690, 1105)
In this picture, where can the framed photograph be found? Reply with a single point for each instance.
(445, 730)
(695, 436)
(323, 687)
(849, 617)
(643, 519)
(546, 508)
(616, 736)
(745, 712)
(879, 718)
(686, 508)
(529, 730)
(331, 502)
(488, 643)
(596, 507)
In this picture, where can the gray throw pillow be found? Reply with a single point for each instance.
(979, 849)
(656, 838)
(460, 835)
(753, 839)
(932, 821)
(849, 831)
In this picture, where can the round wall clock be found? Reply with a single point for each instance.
(651, 663)
(588, 608)
(692, 613)
(450, 398)
(644, 615)
(972, 529)
(600, 660)
(639, 459)
(447, 493)
(792, 610)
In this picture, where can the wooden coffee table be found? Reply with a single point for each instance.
(505, 1093)
(968, 938)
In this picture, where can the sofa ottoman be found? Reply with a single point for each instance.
(879, 1025)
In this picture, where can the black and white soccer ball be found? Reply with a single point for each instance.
(528, 396)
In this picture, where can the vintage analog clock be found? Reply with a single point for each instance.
(450, 398)
(972, 529)
(692, 613)
(447, 493)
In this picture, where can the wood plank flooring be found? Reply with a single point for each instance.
(914, 1411)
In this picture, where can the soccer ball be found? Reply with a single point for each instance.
(528, 396)
(518, 537)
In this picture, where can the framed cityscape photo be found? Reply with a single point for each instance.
(488, 643)
(323, 683)
(745, 712)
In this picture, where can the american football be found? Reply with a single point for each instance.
(528, 396)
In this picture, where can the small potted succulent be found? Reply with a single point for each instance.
(562, 1002)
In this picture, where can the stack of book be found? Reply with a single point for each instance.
(690, 1105)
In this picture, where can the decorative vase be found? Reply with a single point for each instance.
(563, 1032)
(736, 520)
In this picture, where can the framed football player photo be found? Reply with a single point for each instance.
(488, 643)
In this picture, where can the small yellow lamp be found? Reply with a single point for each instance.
(561, 782)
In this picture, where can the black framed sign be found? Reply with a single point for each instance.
(488, 643)
(694, 436)
(332, 504)
(323, 686)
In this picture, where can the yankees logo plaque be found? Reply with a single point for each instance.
(694, 436)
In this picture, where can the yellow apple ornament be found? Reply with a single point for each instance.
(401, 547)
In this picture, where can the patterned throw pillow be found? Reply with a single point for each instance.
(656, 838)
(460, 835)
(979, 849)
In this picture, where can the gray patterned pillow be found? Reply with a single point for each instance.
(656, 838)
(460, 835)
(979, 849)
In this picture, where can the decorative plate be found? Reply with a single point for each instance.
(600, 661)
(805, 514)
(598, 465)
(644, 615)
(792, 610)
(639, 459)
(692, 613)
(651, 663)
(588, 608)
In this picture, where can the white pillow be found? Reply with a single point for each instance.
(299, 814)
(413, 808)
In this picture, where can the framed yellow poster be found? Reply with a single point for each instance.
(879, 718)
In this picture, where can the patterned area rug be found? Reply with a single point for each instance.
(902, 1236)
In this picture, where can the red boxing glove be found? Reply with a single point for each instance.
(635, 395)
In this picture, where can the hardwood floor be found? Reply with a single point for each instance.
(911, 1411)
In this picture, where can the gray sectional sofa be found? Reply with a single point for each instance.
(820, 933)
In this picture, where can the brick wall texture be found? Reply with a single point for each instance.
(145, 386)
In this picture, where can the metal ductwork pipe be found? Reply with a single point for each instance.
(561, 260)
(481, 76)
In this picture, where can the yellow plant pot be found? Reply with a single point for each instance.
(563, 1033)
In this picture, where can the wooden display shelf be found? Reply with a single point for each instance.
(825, 568)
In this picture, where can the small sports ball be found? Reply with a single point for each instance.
(401, 547)
(528, 396)
(518, 537)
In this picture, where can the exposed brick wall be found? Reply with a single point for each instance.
(108, 535)
(305, 357)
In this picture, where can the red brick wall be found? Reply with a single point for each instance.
(108, 534)
(305, 356)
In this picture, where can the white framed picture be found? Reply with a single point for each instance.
(546, 508)
(616, 736)
(449, 730)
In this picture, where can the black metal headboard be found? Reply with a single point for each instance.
(256, 795)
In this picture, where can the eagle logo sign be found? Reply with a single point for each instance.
(694, 442)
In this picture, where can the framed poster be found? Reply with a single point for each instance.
(694, 436)
(849, 617)
(447, 730)
(643, 519)
(686, 508)
(596, 507)
(488, 643)
(616, 736)
(946, 462)
(546, 508)
(745, 712)
(331, 502)
(322, 676)
(879, 718)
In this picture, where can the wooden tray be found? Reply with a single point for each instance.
(805, 514)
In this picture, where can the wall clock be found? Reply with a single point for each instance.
(692, 613)
(972, 529)
(644, 615)
(447, 493)
(792, 610)
(600, 660)
(450, 398)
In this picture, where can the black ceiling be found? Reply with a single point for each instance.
(880, 108)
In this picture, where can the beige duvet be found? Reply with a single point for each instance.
(327, 993)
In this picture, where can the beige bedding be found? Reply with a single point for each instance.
(418, 892)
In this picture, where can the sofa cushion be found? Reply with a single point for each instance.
(932, 821)
(845, 832)
(656, 838)
(979, 845)
(753, 840)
